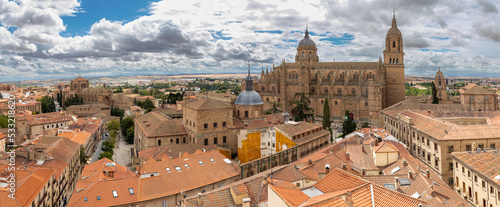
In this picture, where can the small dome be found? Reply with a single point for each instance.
(249, 98)
(394, 31)
(307, 41)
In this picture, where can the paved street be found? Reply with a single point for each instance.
(122, 152)
(98, 150)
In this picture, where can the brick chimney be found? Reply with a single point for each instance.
(396, 183)
(428, 174)
(344, 167)
(363, 148)
(348, 199)
(310, 162)
(198, 199)
(246, 202)
(376, 142)
(180, 154)
(405, 163)
(410, 175)
(347, 156)
(363, 171)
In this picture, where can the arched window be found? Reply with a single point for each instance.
(312, 90)
(336, 103)
(340, 91)
(390, 61)
(366, 103)
(289, 76)
(397, 61)
(326, 90)
(303, 55)
(353, 91)
(370, 75)
(263, 88)
(393, 43)
(439, 82)
(267, 99)
(279, 100)
(274, 89)
(310, 54)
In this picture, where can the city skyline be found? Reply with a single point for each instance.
(45, 40)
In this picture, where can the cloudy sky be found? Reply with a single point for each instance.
(41, 39)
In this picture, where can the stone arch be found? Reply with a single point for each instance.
(106, 100)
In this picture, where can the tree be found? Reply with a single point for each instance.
(275, 109)
(113, 125)
(327, 122)
(4, 121)
(434, 94)
(348, 125)
(83, 157)
(108, 155)
(48, 104)
(129, 135)
(107, 146)
(365, 125)
(125, 124)
(301, 111)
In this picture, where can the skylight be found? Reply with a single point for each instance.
(497, 178)
(98, 198)
(186, 165)
(228, 161)
(404, 182)
(395, 170)
(115, 194)
(416, 195)
(389, 186)
(201, 163)
(131, 191)
(168, 169)
(178, 169)
(212, 160)
(85, 199)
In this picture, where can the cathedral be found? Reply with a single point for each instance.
(363, 88)
(81, 87)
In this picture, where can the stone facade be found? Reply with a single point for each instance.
(479, 99)
(363, 88)
(81, 87)
(87, 110)
(441, 86)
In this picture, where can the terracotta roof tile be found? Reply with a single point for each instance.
(154, 124)
(486, 162)
(337, 180)
(292, 196)
(207, 103)
(157, 153)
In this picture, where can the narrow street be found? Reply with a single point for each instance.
(98, 150)
(122, 152)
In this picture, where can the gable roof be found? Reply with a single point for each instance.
(207, 104)
(154, 124)
(477, 90)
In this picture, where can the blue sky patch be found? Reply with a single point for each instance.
(269, 31)
(219, 36)
(345, 39)
(441, 50)
(94, 10)
(439, 38)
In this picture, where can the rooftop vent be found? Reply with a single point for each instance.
(201, 163)
(228, 161)
(497, 178)
(178, 169)
(395, 170)
(416, 195)
(389, 186)
(186, 165)
(168, 169)
(212, 160)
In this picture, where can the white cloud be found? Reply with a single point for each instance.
(181, 36)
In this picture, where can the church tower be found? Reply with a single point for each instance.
(307, 51)
(394, 64)
(441, 87)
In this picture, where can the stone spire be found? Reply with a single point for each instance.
(394, 17)
(307, 32)
(249, 81)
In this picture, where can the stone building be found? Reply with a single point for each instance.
(479, 99)
(88, 110)
(363, 88)
(81, 87)
(156, 129)
(441, 86)
(432, 135)
(477, 177)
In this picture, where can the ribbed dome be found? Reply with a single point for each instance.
(393, 31)
(307, 41)
(249, 98)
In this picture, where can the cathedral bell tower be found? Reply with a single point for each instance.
(394, 64)
(307, 51)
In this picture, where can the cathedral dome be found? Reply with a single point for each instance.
(249, 98)
(306, 41)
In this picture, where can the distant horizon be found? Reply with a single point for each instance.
(253, 73)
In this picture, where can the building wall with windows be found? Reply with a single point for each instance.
(474, 177)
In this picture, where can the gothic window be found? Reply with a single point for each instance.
(353, 91)
(289, 76)
(312, 90)
(366, 103)
(303, 55)
(393, 43)
(390, 61)
(397, 61)
(279, 100)
(326, 90)
(367, 91)
(310, 54)
(340, 91)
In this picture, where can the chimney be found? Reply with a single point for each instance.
(363, 148)
(327, 168)
(246, 202)
(198, 199)
(376, 142)
(428, 174)
(180, 154)
(396, 183)
(347, 156)
(331, 151)
(363, 171)
(405, 163)
(348, 199)
(344, 167)
(310, 162)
